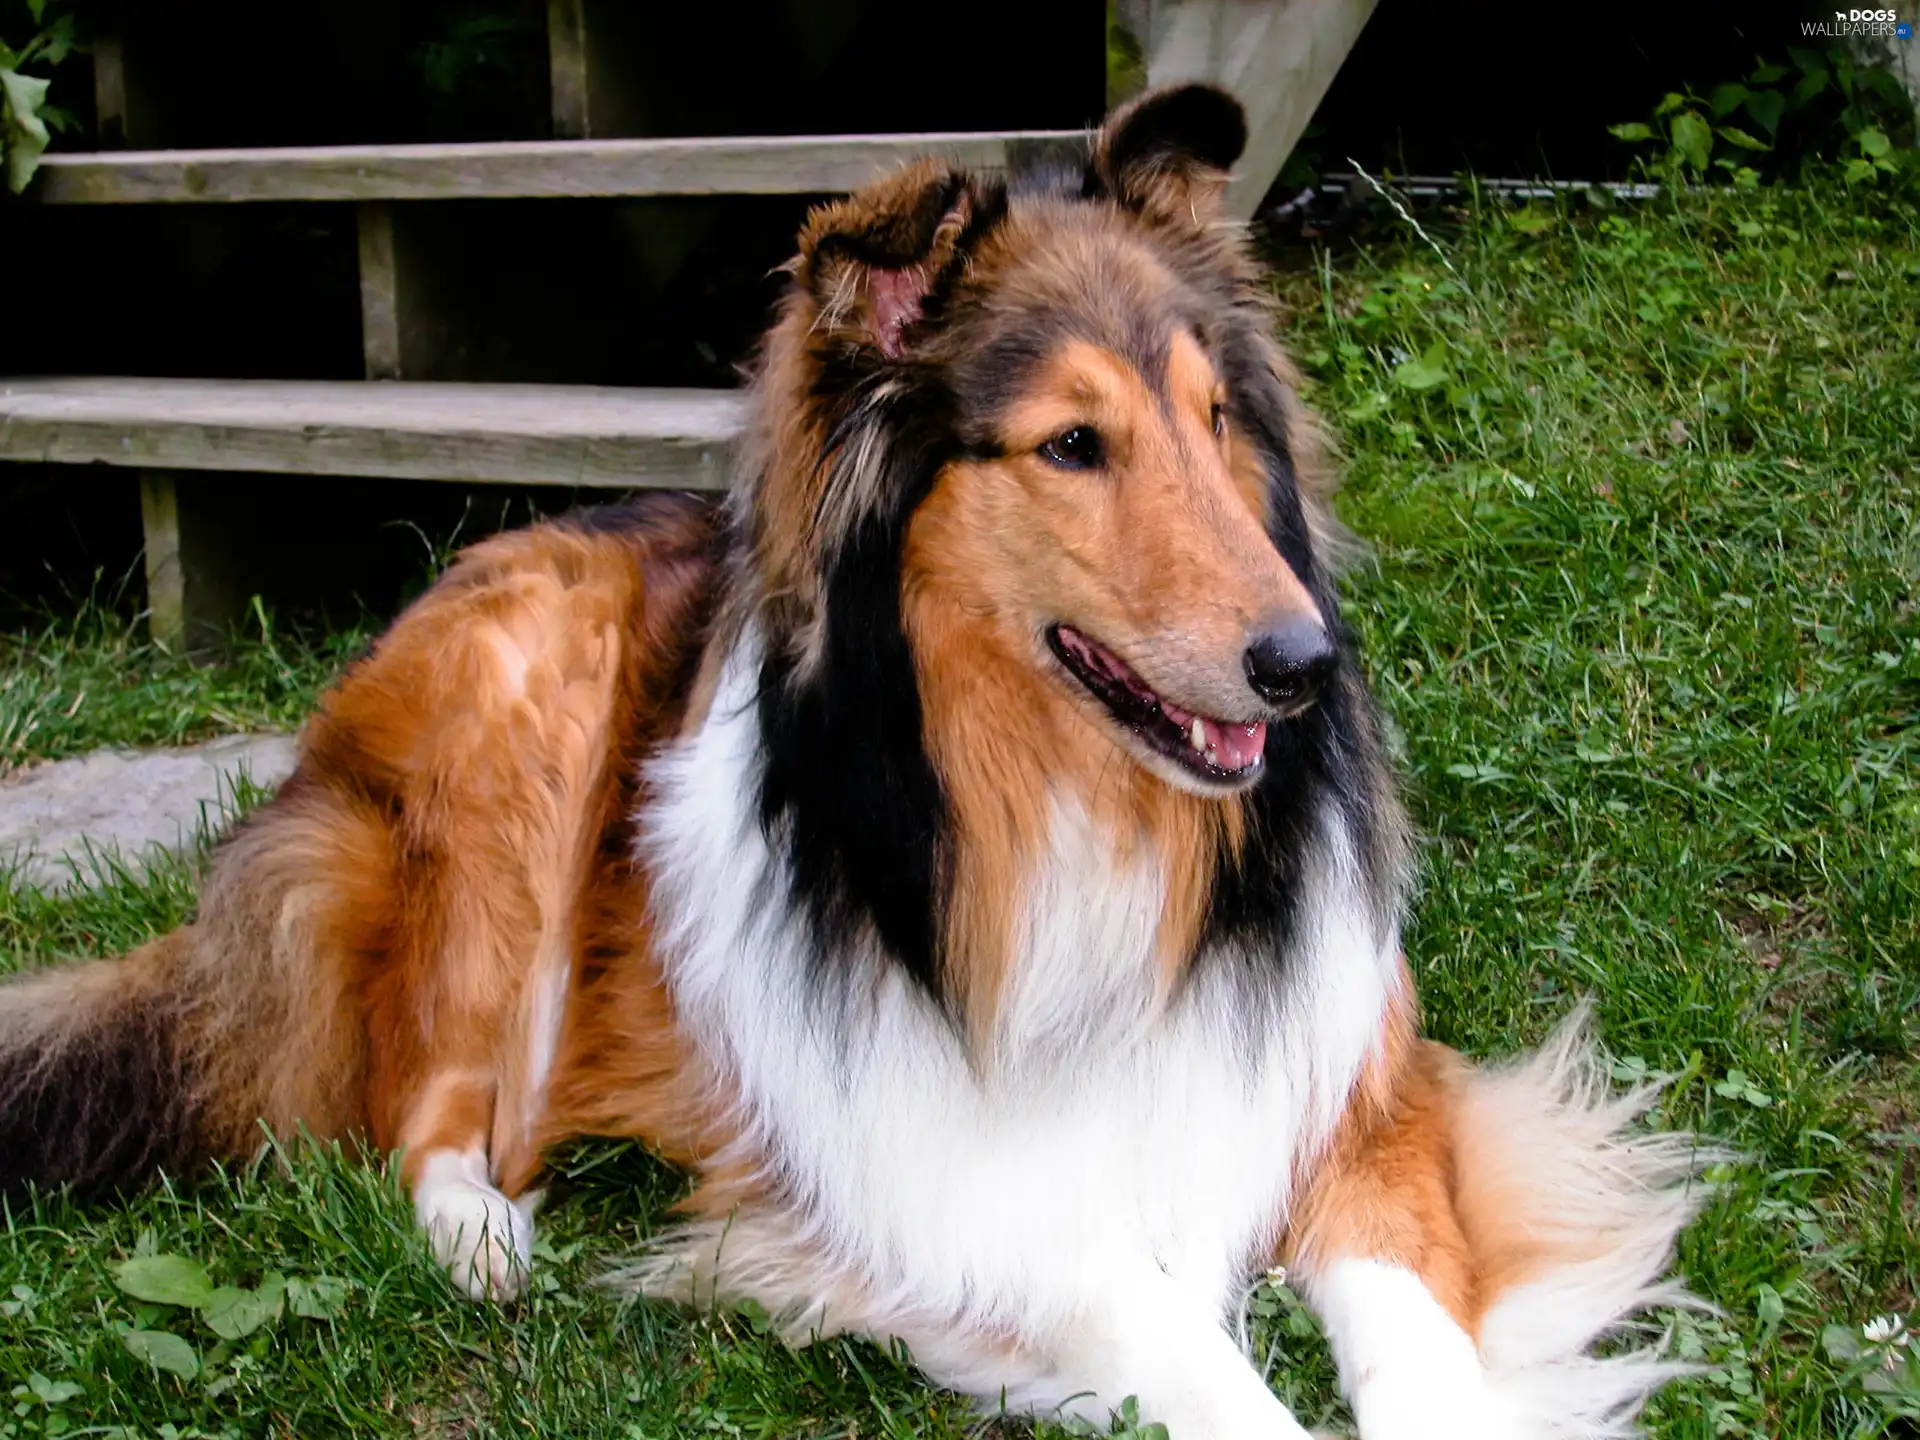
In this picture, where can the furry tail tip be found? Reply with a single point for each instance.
(94, 1089)
(1596, 1201)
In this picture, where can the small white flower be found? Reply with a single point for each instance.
(1277, 1275)
(1884, 1328)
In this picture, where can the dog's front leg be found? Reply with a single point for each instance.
(1155, 1342)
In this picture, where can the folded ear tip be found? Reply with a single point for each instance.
(891, 221)
(1194, 121)
(870, 260)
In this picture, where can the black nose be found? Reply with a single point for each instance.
(1290, 663)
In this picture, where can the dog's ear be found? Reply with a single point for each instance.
(869, 263)
(1168, 152)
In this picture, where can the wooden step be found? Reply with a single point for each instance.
(508, 434)
(754, 165)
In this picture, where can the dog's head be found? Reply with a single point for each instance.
(1064, 414)
(1030, 514)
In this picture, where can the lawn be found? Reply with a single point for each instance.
(1641, 492)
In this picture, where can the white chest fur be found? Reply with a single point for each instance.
(1119, 1144)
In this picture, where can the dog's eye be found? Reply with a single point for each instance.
(1076, 449)
(1219, 420)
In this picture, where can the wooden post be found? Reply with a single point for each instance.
(567, 68)
(1129, 31)
(160, 522)
(379, 292)
(191, 598)
(595, 90)
(110, 88)
(191, 601)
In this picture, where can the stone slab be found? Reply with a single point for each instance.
(59, 821)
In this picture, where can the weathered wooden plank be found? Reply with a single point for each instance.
(1278, 56)
(764, 165)
(507, 434)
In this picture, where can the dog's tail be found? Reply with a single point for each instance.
(92, 1083)
(111, 1070)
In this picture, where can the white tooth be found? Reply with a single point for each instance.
(1198, 735)
(1213, 758)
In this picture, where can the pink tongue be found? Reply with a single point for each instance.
(1232, 746)
(1235, 746)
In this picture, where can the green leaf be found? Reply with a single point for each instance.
(1726, 98)
(1423, 372)
(1767, 74)
(51, 1392)
(1769, 1306)
(56, 43)
(23, 134)
(1873, 142)
(1811, 84)
(1669, 102)
(1766, 107)
(1734, 135)
(163, 1350)
(320, 1298)
(1693, 139)
(233, 1314)
(1886, 86)
(1631, 132)
(165, 1280)
(1840, 1343)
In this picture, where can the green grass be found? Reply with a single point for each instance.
(90, 677)
(1643, 499)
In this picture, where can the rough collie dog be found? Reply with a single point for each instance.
(969, 852)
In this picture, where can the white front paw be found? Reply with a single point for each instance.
(483, 1239)
(1409, 1370)
(1434, 1408)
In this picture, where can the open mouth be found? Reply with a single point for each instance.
(1223, 752)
